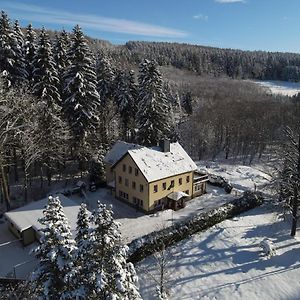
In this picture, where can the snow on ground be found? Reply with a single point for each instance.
(12, 253)
(134, 223)
(226, 262)
(283, 88)
(242, 177)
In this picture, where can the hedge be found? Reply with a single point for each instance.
(153, 242)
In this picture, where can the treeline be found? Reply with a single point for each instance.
(61, 104)
(216, 61)
(234, 119)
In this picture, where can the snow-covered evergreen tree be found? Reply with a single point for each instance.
(45, 76)
(61, 58)
(97, 166)
(105, 77)
(79, 277)
(113, 277)
(12, 63)
(153, 115)
(19, 35)
(81, 99)
(126, 98)
(30, 48)
(55, 253)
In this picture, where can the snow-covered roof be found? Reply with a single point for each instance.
(117, 151)
(156, 164)
(27, 216)
(177, 195)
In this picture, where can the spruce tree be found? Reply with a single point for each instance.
(12, 63)
(45, 74)
(30, 49)
(61, 58)
(153, 115)
(79, 277)
(105, 78)
(114, 277)
(126, 97)
(54, 253)
(81, 99)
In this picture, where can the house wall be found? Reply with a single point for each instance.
(161, 193)
(199, 189)
(109, 173)
(27, 235)
(134, 195)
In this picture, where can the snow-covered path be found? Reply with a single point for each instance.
(226, 262)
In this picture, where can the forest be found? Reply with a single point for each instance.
(66, 98)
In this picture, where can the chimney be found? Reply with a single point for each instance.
(164, 145)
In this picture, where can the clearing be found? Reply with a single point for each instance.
(226, 261)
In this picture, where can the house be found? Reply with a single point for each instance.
(23, 221)
(152, 178)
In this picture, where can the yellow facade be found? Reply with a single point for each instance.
(131, 184)
(160, 189)
(109, 173)
(132, 187)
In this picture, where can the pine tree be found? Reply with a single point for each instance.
(45, 74)
(54, 253)
(97, 166)
(19, 35)
(126, 97)
(79, 277)
(61, 58)
(11, 54)
(153, 115)
(81, 99)
(30, 49)
(113, 277)
(105, 78)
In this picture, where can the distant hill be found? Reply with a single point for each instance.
(204, 60)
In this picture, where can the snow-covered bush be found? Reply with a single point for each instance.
(268, 247)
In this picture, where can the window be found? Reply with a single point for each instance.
(136, 172)
(187, 192)
(133, 185)
(187, 179)
(141, 188)
(124, 168)
(155, 188)
(130, 169)
(141, 203)
(172, 183)
(164, 185)
(123, 195)
(120, 179)
(126, 182)
(180, 181)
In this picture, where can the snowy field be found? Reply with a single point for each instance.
(283, 88)
(226, 262)
(134, 223)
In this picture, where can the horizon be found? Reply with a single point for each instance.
(245, 24)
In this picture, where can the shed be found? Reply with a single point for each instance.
(23, 221)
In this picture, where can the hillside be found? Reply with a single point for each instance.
(226, 261)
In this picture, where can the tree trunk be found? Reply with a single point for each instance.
(15, 165)
(5, 188)
(294, 212)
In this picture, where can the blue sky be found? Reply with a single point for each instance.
(244, 24)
